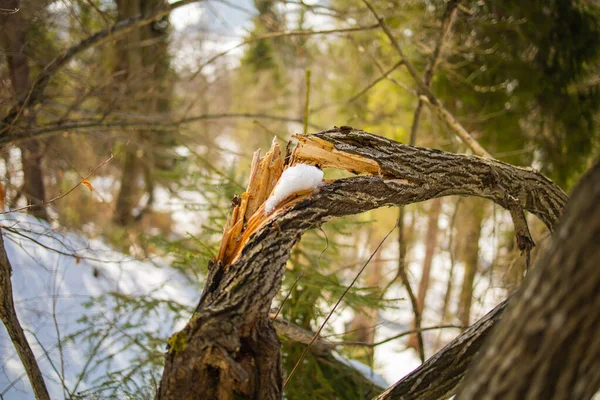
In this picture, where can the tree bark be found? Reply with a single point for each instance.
(229, 348)
(12, 32)
(547, 346)
(15, 331)
(439, 376)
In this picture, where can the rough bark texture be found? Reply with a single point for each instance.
(17, 336)
(439, 376)
(229, 348)
(548, 343)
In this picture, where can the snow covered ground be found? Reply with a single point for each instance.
(54, 275)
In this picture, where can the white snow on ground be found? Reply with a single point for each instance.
(363, 369)
(292, 180)
(54, 274)
(51, 288)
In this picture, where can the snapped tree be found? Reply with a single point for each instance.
(230, 349)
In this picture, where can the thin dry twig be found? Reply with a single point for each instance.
(428, 95)
(273, 35)
(60, 196)
(399, 335)
(62, 127)
(384, 75)
(288, 295)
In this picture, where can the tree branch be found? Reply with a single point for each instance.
(428, 95)
(447, 22)
(439, 376)
(65, 126)
(273, 35)
(15, 331)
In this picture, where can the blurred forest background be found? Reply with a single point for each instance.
(142, 136)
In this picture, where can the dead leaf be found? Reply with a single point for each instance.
(87, 184)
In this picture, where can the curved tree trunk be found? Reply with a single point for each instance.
(229, 348)
(547, 346)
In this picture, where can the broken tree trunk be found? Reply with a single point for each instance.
(229, 348)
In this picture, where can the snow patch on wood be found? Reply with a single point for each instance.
(298, 178)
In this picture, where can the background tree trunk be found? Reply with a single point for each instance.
(12, 32)
(430, 248)
(547, 345)
(143, 57)
(130, 64)
(469, 233)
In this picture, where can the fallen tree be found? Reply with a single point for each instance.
(229, 348)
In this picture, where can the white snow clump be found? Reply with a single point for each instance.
(294, 179)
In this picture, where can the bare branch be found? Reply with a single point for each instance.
(60, 196)
(428, 382)
(447, 22)
(428, 95)
(54, 129)
(273, 35)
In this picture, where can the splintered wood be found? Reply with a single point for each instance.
(264, 174)
(249, 214)
(314, 151)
